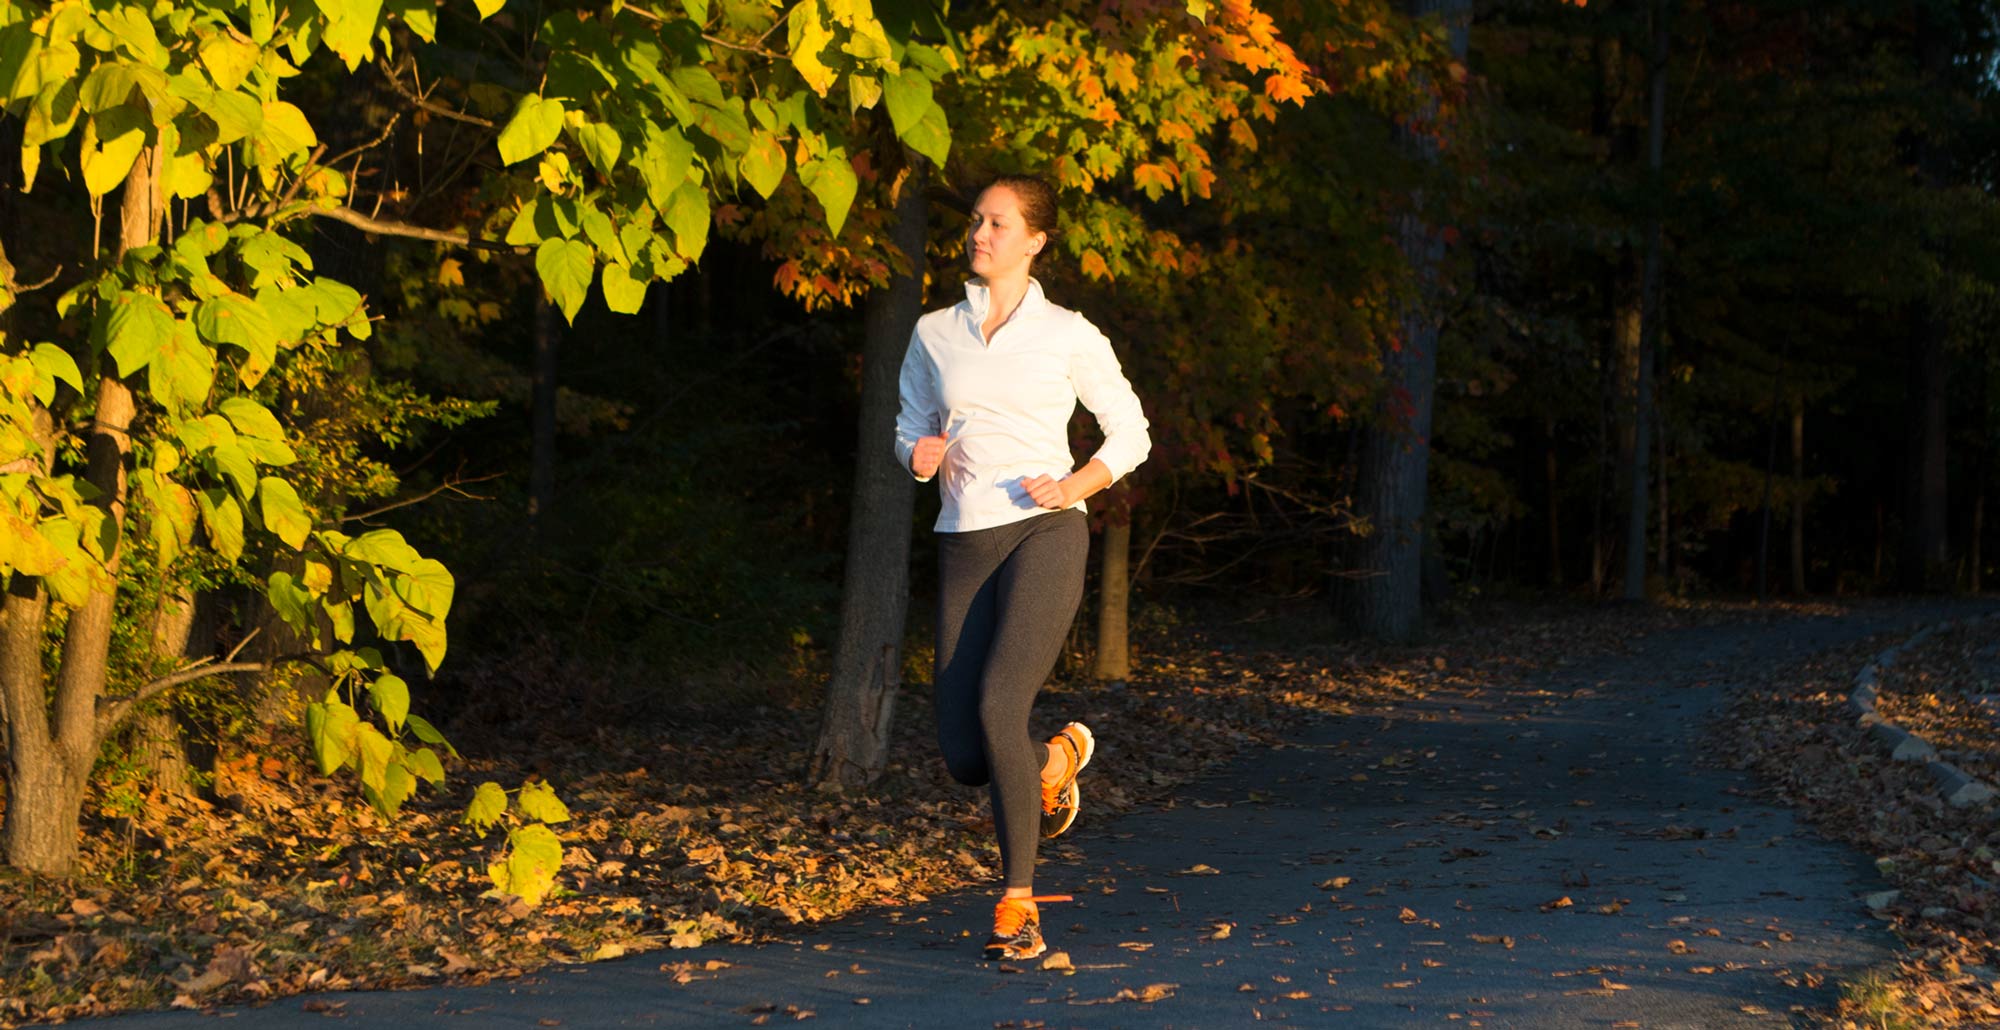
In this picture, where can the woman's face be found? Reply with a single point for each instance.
(998, 241)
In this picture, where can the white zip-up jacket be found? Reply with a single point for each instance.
(1005, 404)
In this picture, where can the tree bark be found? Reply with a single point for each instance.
(1924, 543)
(1555, 506)
(1649, 310)
(1114, 656)
(1798, 496)
(157, 743)
(867, 660)
(1393, 481)
(542, 413)
(49, 775)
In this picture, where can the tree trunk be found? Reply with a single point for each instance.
(1798, 497)
(54, 746)
(1924, 551)
(1555, 507)
(1393, 483)
(1663, 554)
(867, 660)
(542, 413)
(1649, 311)
(1114, 591)
(157, 744)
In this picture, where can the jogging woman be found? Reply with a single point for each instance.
(988, 387)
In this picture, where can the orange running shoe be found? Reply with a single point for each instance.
(1017, 928)
(1061, 800)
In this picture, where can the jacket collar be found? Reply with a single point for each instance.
(977, 298)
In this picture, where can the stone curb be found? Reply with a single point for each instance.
(1955, 786)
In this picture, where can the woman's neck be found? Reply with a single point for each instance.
(1003, 296)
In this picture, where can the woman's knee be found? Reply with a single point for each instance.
(965, 767)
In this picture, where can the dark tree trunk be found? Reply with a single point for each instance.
(1554, 507)
(1649, 310)
(1798, 497)
(542, 413)
(1923, 554)
(1114, 656)
(867, 660)
(1386, 601)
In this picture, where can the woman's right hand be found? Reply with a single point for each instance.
(928, 455)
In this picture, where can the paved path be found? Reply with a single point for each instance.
(1691, 906)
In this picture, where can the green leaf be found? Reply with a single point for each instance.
(251, 418)
(376, 751)
(135, 328)
(419, 15)
(602, 235)
(536, 123)
(182, 372)
(489, 802)
(398, 783)
(341, 614)
(333, 732)
(384, 547)
(55, 366)
(283, 514)
(291, 601)
(429, 734)
(831, 179)
(763, 165)
(931, 136)
(687, 215)
(392, 698)
(424, 762)
(696, 9)
(224, 519)
(664, 164)
(534, 855)
(284, 131)
(538, 801)
(235, 466)
(524, 232)
(565, 267)
(488, 8)
(622, 293)
(112, 140)
(602, 145)
(228, 59)
(909, 96)
(238, 321)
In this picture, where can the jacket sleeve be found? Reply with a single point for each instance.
(1101, 386)
(920, 414)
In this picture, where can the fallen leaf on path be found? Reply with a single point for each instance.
(1201, 869)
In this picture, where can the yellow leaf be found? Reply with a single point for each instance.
(451, 273)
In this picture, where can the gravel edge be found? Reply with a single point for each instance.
(1954, 785)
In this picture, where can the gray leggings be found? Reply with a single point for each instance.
(1006, 597)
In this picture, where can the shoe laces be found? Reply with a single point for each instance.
(1011, 914)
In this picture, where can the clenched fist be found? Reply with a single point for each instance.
(928, 455)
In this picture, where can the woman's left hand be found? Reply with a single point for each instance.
(1048, 492)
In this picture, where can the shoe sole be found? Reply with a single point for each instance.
(1072, 795)
(1002, 955)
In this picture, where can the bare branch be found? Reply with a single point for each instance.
(113, 711)
(36, 286)
(379, 227)
(451, 486)
(241, 644)
(371, 144)
(425, 104)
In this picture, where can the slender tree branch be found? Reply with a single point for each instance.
(32, 287)
(371, 144)
(241, 644)
(448, 487)
(113, 711)
(759, 51)
(425, 104)
(380, 227)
